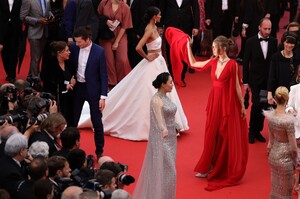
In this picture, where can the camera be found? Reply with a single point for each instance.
(125, 179)
(35, 83)
(41, 117)
(46, 95)
(12, 118)
(124, 167)
(94, 185)
(10, 90)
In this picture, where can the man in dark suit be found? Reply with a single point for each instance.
(10, 30)
(138, 9)
(257, 57)
(220, 15)
(91, 86)
(181, 14)
(12, 172)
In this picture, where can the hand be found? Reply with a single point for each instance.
(43, 21)
(268, 15)
(271, 100)
(246, 86)
(73, 81)
(70, 40)
(52, 107)
(165, 133)
(208, 22)
(109, 23)
(243, 33)
(69, 87)
(101, 104)
(153, 56)
(243, 112)
(195, 32)
(236, 19)
(115, 45)
(51, 19)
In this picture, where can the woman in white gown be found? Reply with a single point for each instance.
(127, 109)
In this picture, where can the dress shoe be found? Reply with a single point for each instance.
(99, 155)
(251, 139)
(260, 138)
(201, 175)
(191, 70)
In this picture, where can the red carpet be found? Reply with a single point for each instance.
(256, 182)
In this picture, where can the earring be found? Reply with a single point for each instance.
(154, 21)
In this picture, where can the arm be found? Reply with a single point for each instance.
(142, 42)
(156, 105)
(239, 93)
(103, 79)
(272, 82)
(193, 62)
(292, 140)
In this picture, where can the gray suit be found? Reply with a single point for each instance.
(31, 12)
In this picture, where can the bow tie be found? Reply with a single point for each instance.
(264, 39)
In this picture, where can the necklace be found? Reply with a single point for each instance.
(222, 62)
(287, 56)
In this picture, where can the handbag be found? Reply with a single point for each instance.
(263, 96)
(104, 32)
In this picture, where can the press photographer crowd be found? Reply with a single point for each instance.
(40, 155)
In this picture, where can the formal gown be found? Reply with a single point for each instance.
(225, 152)
(280, 157)
(158, 174)
(127, 109)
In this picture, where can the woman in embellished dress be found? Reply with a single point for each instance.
(158, 175)
(225, 154)
(127, 111)
(282, 148)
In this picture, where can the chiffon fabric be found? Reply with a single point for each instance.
(225, 152)
(127, 109)
(158, 174)
(280, 157)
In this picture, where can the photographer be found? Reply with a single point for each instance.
(81, 173)
(106, 179)
(59, 174)
(50, 129)
(8, 99)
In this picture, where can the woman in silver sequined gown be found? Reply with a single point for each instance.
(282, 147)
(157, 179)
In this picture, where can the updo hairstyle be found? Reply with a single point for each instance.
(223, 42)
(150, 12)
(57, 46)
(161, 79)
(281, 95)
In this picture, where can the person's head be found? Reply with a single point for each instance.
(43, 189)
(38, 169)
(32, 105)
(265, 27)
(58, 167)
(77, 159)
(4, 194)
(281, 95)
(7, 131)
(72, 192)
(293, 27)
(82, 36)
(163, 82)
(16, 146)
(89, 195)
(21, 85)
(120, 194)
(39, 148)
(106, 179)
(221, 45)
(70, 138)
(289, 40)
(60, 49)
(104, 159)
(152, 13)
(112, 166)
(54, 124)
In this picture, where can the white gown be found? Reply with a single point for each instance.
(127, 108)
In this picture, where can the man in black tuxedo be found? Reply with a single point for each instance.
(10, 30)
(91, 81)
(257, 57)
(220, 15)
(181, 14)
(12, 171)
(138, 9)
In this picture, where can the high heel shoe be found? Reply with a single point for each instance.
(201, 175)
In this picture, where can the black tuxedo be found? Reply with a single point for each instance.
(43, 136)
(11, 174)
(272, 7)
(221, 21)
(10, 29)
(255, 73)
(138, 9)
(186, 18)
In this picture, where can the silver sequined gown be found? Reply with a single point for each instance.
(157, 179)
(280, 157)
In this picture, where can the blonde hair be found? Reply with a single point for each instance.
(281, 95)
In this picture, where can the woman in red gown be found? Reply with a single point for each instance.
(225, 152)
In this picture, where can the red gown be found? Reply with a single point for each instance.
(225, 152)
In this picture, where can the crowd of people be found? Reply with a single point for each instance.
(40, 142)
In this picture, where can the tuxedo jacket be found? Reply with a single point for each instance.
(95, 72)
(186, 17)
(7, 16)
(43, 136)
(255, 66)
(11, 174)
(213, 9)
(31, 11)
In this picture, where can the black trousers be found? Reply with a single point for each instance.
(256, 117)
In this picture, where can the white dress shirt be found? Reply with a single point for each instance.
(264, 46)
(179, 2)
(82, 61)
